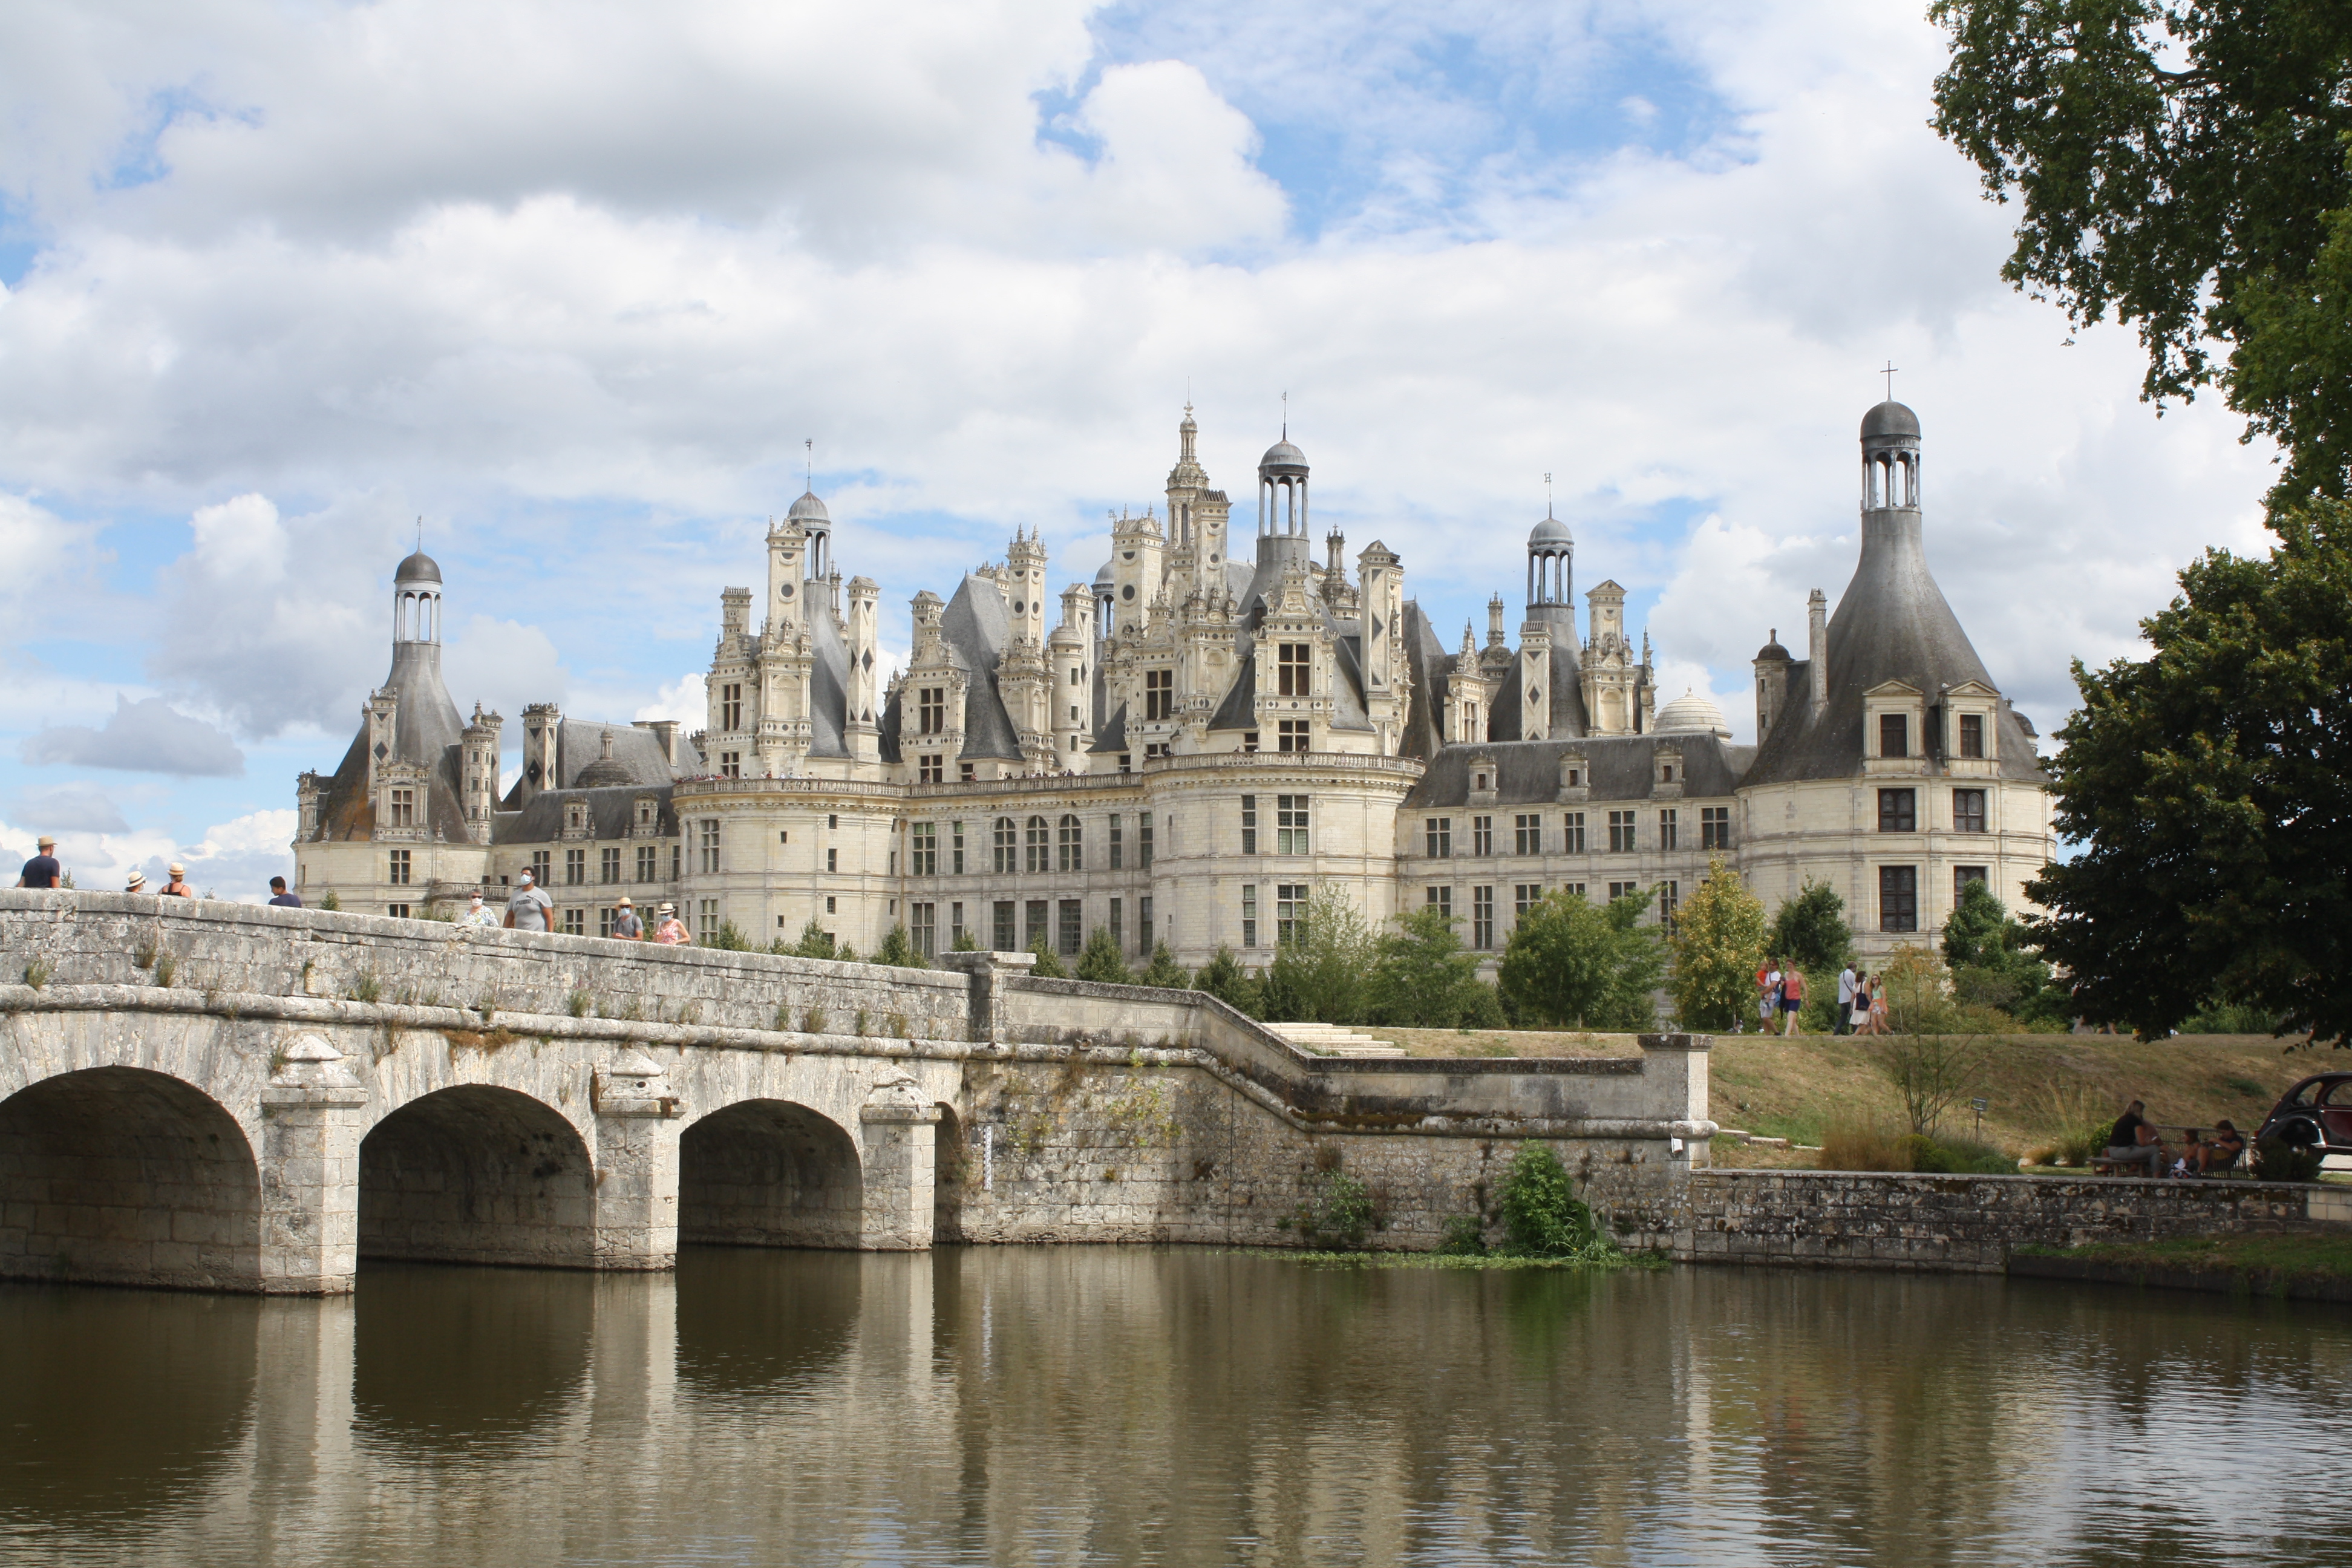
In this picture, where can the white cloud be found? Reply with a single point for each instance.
(685, 700)
(240, 540)
(77, 807)
(146, 736)
(502, 665)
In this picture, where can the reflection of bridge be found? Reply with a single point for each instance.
(220, 1096)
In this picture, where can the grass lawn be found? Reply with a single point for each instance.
(2035, 1086)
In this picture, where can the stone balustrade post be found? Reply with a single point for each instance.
(310, 1113)
(984, 971)
(896, 1127)
(637, 1130)
(1677, 1064)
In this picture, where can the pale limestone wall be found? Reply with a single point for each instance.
(1837, 1219)
(348, 1127)
(1827, 830)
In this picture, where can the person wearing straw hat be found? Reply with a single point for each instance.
(138, 883)
(668, 929)
(43, 870)
(176, 887)
(625, 924)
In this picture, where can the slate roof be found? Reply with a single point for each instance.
(580, 743)
(1891, 624)
(612, 814)
(977, 626)
(428, 730)
(1620, 768)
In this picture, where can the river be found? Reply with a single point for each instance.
(1110, 1405)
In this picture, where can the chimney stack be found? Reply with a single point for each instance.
(1818, 654)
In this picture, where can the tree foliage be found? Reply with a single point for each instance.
(1421, 978)
(1318, 975)
(1101, 959)
(1541, 1215)
(1164, 970)
(1572, 964)
(898, 950)
(815, 941)
(1810, 931)
(2181, 164)
(2211, 783)
(1049, 965)
(1224, 978)
(1717, 941)
(1993, 963)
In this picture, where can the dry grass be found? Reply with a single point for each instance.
(2038, 1087)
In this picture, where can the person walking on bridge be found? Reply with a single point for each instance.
(42, 870)
(625, 924)
(529, 910)
(177, 887)
(477, 915)
(670, 930)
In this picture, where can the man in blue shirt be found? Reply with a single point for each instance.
(42, 870)
(280, 897)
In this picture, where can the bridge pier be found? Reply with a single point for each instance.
(901, 1163)
(637, 1130)
(310, 1114)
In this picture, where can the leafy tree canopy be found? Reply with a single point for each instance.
(1224, 978)
(898, 950)
(1421, 978)
(2211, 783)
(1048, 966)
(1717, 941)
(1101, 959)
(1810, 931)
(1164, 970)
(1573, 965)
(2180, 163)
(1318, 976)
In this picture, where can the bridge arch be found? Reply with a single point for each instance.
(476, 1173)
(123, 1176)
(770, 1173)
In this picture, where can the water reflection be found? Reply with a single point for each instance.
(1091, 1405)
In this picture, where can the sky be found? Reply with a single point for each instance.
(573, 292)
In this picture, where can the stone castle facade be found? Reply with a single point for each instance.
(1199, 742)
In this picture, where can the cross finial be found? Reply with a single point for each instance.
(1889, 373)
(808, 465)
(1285, 415)
(1547, 496)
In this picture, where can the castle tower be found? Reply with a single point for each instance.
(1135, 544)
(478, 773)
(1388, 684)
(1024, 583)
(1551, 574)
(1610, 672)
(1282, 490)
(815, 524)
(1070, 654)
(540, 723)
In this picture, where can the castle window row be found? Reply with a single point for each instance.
(1898, 811)
(1624, 832)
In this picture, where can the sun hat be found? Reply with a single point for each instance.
(666, 909)
(47, 842)
(138, 880)
(178, 869)
(625, 903)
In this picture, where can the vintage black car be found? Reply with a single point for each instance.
(2316, 1112)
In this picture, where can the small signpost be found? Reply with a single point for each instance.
(1978, 1105)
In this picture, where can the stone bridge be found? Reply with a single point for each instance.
(226, 1096)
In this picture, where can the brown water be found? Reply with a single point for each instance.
(1097, 1405)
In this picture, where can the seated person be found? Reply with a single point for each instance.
(2133, 1142)
(2219, 1152)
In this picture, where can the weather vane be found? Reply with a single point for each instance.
(1546, 495)
(1889, 373)
(1285, 415)
(808, 465)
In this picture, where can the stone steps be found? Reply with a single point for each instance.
(1334, 1040)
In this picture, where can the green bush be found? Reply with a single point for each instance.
(2218, 1017)
(1465, 1237)
(1542, 1215)
(729, 938)
(899, 951)
(1048, 966)
(1224, 978)
(1164, 971)
(1100, 961)
(1340, 1214)
(2276, 1159)
(1956, 1156)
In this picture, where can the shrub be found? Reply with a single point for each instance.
(965, 941)
(1048, 966)
(1165, 971)
(1541, 1215)
(1421, 978)
(2276, 1159)
(816, 943)
(1224, 978)
(729, 938)
(1465, 1237)
(1573, 965)
(1810, 931)
(897, 950)
(330, 901)
(1849, 1146)
(1339, 1214)
(1101, 959)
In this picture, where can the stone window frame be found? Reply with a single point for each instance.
(1070, 844)
(1036, 846)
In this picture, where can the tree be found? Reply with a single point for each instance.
(1572, 964)
(1101, 959)
(964, 941)
(1047, 967)
(729, 938)
(2211, 786)
(1717, 943)
(897, 950)
(1224, 978)
(816, 943)
(2180, 163)
(1318, 975)
(1931, 1062)
(1164, 970)
(1809, 930)
(1421, 978)
(1991, 960)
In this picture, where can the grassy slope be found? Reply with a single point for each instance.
(2036, 1084)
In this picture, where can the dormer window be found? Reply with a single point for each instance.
(574, 817)
(1158, 695)
(931, 710)
(1482, 781)
(1666, 773)
(1893, 734)
(644, 813)
(1575, 778)
(1292, 669)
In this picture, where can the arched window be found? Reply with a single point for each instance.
(1008, 852)
(1073, 846)
(1037, 846)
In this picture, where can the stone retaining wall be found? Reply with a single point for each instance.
(1845, 1219)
